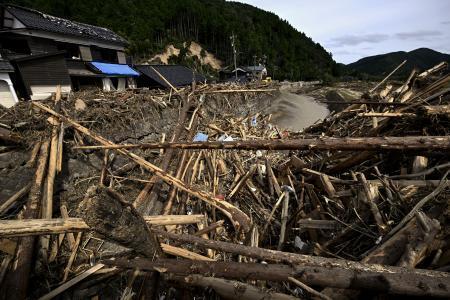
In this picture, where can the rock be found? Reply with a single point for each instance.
(80, 105)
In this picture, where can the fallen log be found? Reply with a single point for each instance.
(71, 282)
(144, 200)
(364, 102)
(238, 218)
(395, 280)
(235, 290)
(15, 228)
(325, 143)
(11, 200)
(47, 200)
(308, 289)
(387, 77)
(16, 285)
(239, 91)
(436, 110)
(387, 114)
(9, 137)
(399, 183)
(402, 282)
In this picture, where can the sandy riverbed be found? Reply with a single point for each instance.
(296, 112)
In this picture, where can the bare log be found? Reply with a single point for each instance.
(387, 77)
(235, 289)
(11, 200)
(9, 137)
(238, 218)
(15, 228)
(143, 201)
(71, 282)
(436, 110)
(17, 283)
(397, 283)
(308, 289)
(240, 91)
(370, 201)
(326, 143)
(387, 115)
(165, 80)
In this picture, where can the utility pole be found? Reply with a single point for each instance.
(233, 44)
(254, 66)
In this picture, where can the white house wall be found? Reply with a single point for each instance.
(108, 85)
(15, 24)
(40, 92)
(8, 97)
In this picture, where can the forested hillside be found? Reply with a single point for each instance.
(381, 65)
(150, 25)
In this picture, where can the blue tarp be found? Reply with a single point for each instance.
(114, 69)
(200, 137)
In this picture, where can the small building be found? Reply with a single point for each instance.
(47, 51)
(178, 76)
(258, 72)
(244, 74)
(8, 97)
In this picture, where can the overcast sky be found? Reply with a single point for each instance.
(352, 29)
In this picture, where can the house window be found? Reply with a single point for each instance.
(104, 55)
(72, 50)
(14, 46)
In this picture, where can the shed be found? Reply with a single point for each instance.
(177, 75)
(8, 97)
(41, 74)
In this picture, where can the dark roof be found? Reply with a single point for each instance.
(5, 66)
(34, 19)
(259, 68)
(177, 75)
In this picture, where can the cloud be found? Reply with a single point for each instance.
(445, 22)
(420, 35)
(353, 40)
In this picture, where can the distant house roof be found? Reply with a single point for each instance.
(239, 70)
(33, 19)
(177, 75)
(113, 69)
(259, 68)
(5, 66)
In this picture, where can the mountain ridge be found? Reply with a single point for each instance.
(383, 64)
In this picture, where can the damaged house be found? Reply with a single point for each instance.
(47, 51)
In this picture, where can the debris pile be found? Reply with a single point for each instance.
(195, 193)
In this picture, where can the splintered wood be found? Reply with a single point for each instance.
(195, 193)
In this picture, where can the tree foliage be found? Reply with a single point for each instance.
(150, 25)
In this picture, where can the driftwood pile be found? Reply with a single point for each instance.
(195, 193)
